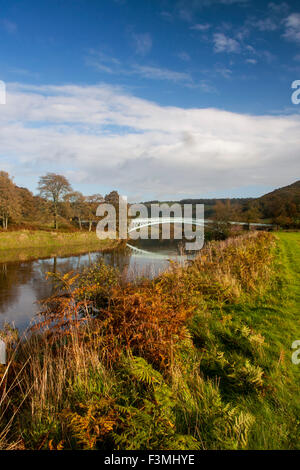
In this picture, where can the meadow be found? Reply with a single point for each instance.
(50, 239)
(198, 358)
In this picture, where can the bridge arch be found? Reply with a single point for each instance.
(141, 223)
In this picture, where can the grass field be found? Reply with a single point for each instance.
(199, 358)
(38, 239)
(276, 316)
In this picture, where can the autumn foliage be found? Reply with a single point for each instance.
(117, 365)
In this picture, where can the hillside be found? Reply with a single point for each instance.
(282, 205)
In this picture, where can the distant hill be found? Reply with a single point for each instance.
(281, 206)
(290, 192)
(209, 204)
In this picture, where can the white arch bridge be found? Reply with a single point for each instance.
(140, 222)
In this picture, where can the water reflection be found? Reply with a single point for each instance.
(23, 283)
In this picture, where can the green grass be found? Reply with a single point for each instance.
(275, 315)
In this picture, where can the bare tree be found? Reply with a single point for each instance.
(54, 187)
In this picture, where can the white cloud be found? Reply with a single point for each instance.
(184, 56)
(207, 87)
(268, 24)
(201, 27)
(292, 27)
(167, 16)
(103, 62)
(251, 61)
(158, 73)
(225, 72)
(273, 18)
(111, 65)
(223, 43)
(100, 134)
(278, 8)
(143, 43)
(187, 10)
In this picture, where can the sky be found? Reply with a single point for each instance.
(158, 99)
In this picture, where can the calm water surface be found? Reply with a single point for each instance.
(23, 283)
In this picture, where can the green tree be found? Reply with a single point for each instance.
(54, 187)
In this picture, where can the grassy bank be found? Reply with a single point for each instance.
(26, 239)
(198, 358)
(274, 315)
(30, 254)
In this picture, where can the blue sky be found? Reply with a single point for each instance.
(156, 98)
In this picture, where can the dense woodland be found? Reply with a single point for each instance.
(57, 205)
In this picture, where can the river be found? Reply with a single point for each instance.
(23, 283)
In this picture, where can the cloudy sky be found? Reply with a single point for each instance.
(156, 98)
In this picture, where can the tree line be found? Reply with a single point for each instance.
(56, 200)
(67, 208)
(280, 207)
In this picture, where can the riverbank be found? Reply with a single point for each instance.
(31, 254)
(38, 239)
(199, 358)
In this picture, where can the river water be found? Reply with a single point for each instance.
(23, 283)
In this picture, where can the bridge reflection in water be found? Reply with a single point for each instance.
(139, 223)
